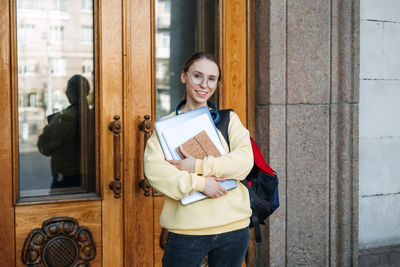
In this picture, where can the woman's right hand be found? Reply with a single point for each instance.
(212, 188)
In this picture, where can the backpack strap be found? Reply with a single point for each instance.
(224, 123)
(256, 225)
(223, 127)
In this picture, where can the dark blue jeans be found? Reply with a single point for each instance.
(226, 249)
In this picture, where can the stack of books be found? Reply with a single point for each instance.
(196, 133)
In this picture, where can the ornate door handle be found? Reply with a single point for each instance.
(145, 127)
(115, 185)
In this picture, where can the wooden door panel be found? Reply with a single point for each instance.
(6, 197)
(29, 217)
(103, 217)
(234, 57)
(138, 209)
(111, 103)
(158, 251)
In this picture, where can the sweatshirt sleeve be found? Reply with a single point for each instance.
(236, 164)
(165, 177)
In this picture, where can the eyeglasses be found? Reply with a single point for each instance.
(198, 78)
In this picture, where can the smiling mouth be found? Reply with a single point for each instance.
(202, 93)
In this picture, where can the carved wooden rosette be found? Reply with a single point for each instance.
(61, 242)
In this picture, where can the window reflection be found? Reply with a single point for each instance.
(61, 139)
(182, 27)
(55, 97)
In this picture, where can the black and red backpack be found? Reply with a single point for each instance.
(262, 181)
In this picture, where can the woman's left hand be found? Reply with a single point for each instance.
(186, 164)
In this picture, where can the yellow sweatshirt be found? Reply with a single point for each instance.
(212, 215)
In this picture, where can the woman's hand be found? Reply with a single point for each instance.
(212, 188)
(186, 164)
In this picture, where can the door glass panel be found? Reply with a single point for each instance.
(182, 28)
(55, 97)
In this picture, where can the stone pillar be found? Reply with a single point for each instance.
(307, 126)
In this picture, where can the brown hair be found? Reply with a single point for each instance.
(197, 56)
(201, 55)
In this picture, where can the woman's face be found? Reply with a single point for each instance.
(205, 70)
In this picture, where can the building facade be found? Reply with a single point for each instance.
(379, 215)
(307, 123)
(312, 80)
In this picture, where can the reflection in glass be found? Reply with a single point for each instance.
(55, 97)
(182, 27)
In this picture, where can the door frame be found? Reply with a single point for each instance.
(6, 173)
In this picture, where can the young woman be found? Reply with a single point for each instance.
(216, 226)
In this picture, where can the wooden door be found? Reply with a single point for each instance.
(223, 28)
(62, 83)
(114, 47)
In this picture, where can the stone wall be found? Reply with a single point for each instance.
(379, 124)
(307, 126)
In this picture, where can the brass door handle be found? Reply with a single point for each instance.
(116, 185)
(145, 127)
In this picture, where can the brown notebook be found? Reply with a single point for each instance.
(200, 146)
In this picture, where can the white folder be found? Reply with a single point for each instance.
(170, 123)
(173, 132)
(180, 133)
(196, 195)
